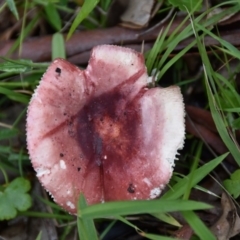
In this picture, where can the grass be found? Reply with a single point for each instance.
(18, 79)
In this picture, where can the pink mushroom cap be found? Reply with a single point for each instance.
(101, 131)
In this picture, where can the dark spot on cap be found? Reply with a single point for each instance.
(61, 154)
(131, 188)
(78, 169)
(58, 70)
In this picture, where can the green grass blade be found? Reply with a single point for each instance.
(87, 7)
(53, 16)
(19, 117)
(12, 7)
(190, 4)
(18, 97)
(142, 233)
(139, 207)
(167, 65)
(212, 93)
(49, 203)
(194, 166)
(24, 33)
(156, 49)
(177, 36)
(152, 54)
(179, 188)
(107, 229)
(227, 83)
(198, 226)
(86, 227)
(39, 236)
(220, 125)
(167, 218)
(28, 63)
(21, 37)
(58, 46)
(156, 237)
(46, 215)
(19, 66)
(232, 110)
(124, 220)
(232, 50)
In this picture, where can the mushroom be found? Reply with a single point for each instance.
(101, 131)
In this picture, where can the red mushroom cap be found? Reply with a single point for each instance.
(101, 131)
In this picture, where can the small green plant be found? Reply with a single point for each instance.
(186, 4)
(14, 197)
(233, 184)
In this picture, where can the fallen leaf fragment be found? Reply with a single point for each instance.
(137, 14)
(228, 225)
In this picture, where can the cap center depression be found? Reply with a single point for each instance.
(106, 129)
